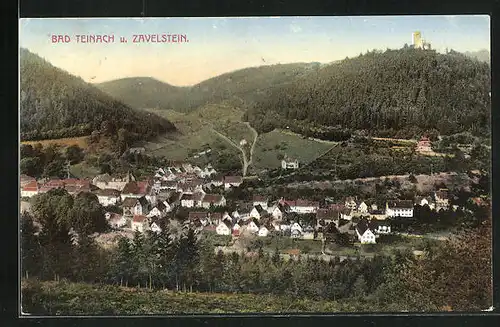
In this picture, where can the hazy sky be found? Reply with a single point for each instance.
(219, 45)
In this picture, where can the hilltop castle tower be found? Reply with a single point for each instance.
(418, 42)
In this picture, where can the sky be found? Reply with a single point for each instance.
(220, 45)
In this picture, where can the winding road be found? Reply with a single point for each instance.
(246, 161)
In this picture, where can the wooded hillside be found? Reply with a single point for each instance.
(409, 90)
(56, 104)
(242, 87)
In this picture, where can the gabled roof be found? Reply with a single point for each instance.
(187, 197)
(108, 192)
(30, 186)
(160, 206)
(139, 218)
(212, 198)
(442, 194)
(259, 209)
(130, 202)
(401, 204)
(175, 196)
(137, 187)
(259, 198)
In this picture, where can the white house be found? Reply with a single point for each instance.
(402, 208)
(232, 181)
(442, 199)
(363, 208)
(216, 200)
(275, 211)
(252, 226)
(257, 212)
(259, 200)
(159, 210)
(366, 236)
(346, 214)
(155, 227)
(108, 197)
(289, 163)
(134, 206)
(302, 206)
(236, 214)
(191, 200)
(284, 227)
(224, 228)
(383, 229)
(425, 201)
(308, 233)
(350, 203)
(139, 222)
(296, 227)
(295, 233)
(29, 189)
(263, 231)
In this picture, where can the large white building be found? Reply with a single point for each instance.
(399, 209)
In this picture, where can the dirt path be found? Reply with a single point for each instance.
(246, 161)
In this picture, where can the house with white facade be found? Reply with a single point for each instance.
(275, 211)
(300, 206)
(401, 208)
(139, 190)
(29, 189)
(296, 227)
(425, 201)
(260, 200)
(289, 163)
(363, 207)
(350, 203)
(252, 226)
(442, 199)
(215, 200)
(108, 197)
(139, 223)
(191, 200)
(155, 227)
(135, 206)
(159, 210)
(365, 233)
(232, 181)
(257, 212)
(224, 228)
(263, 231)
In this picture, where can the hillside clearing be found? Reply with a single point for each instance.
(275, 143)
(81, 141)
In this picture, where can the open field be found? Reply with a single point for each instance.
(274, 143)
(81, 141)
(65, 298)
(83, 170)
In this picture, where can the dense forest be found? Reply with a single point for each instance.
(243, 87)
(454, 274)
(56, 104)
(408, 90)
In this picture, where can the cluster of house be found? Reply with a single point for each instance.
(146, 204)
(143, 202)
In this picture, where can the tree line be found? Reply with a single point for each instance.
(186, 262)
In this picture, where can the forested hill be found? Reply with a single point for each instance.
(56, 104)
(404, 92)
(242, 87)
(144, 92)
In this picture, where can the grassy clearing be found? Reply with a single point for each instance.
(196, 131)
(81, 141)
(274, 143)
(64, 298)
(83, 170)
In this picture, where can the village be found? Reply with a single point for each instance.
(147, 205)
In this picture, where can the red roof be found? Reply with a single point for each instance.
(31, 186)
(139, 218)
(306, 203)
(137, 188)
(259, 198)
